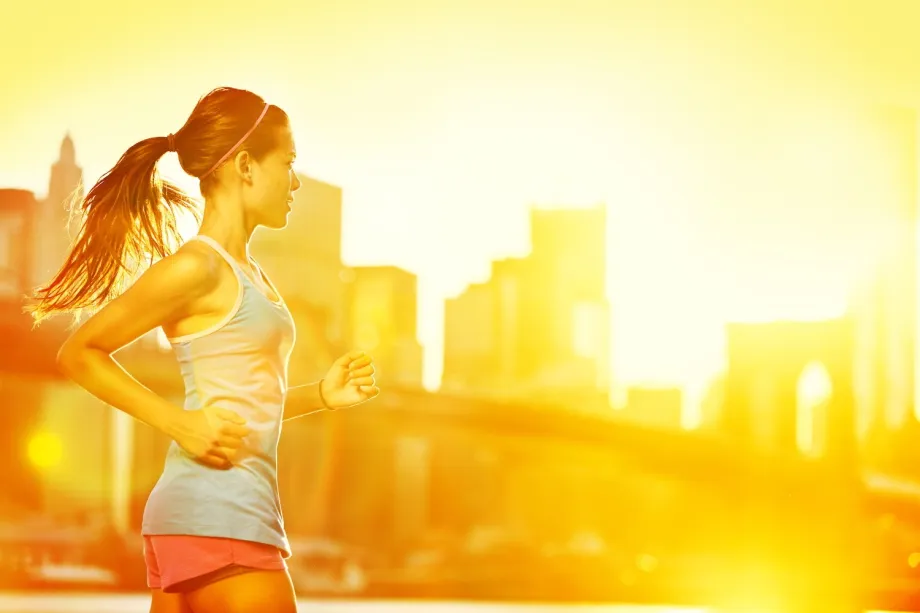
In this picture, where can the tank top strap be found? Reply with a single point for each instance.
(213, 244)
(267, 284)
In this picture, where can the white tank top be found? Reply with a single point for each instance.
(239, 364)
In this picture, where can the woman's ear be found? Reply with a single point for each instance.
(242, 162)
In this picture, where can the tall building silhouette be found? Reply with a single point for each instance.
(17, 219)
(539, 326)
(569, 266)
(382, 320)
(39, 234)
(55, 229)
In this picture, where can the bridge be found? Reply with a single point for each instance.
(447, 497)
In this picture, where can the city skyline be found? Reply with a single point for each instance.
(848, 130)
(375, 306)
(444, 130)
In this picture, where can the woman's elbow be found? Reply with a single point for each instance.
(71, 358)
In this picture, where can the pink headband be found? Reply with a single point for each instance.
(239, 142)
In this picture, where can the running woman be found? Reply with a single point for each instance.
(214, 537)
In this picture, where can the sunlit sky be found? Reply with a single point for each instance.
(444, 121)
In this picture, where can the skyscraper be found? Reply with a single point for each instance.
(382, 320)
(17, 217)
(54, 227)
(539, 326)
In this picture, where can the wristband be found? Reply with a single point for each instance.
(322, 398)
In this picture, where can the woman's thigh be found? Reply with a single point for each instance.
(258, 591)
(168, 603)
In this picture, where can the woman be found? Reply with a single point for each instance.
(213, 533)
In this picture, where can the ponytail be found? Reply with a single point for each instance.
(130, 216)
(129, 220)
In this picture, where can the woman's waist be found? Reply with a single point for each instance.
(263, 411)
(251, 470)
(248, 388)
(258, 449)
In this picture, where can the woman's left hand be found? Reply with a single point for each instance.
(350, 381)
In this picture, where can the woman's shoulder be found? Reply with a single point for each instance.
(191, 269)
(197, 258)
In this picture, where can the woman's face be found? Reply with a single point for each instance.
(269, 197)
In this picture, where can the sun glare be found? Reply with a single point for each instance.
(45, 450)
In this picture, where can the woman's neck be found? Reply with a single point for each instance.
(231, 231)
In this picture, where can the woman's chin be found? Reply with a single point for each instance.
(277, 222)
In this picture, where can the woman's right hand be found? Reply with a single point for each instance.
(211, 436)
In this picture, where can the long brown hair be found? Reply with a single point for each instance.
(130, 216)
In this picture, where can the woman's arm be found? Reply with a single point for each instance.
(350, 381)
(165, 293)
(305, 399)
